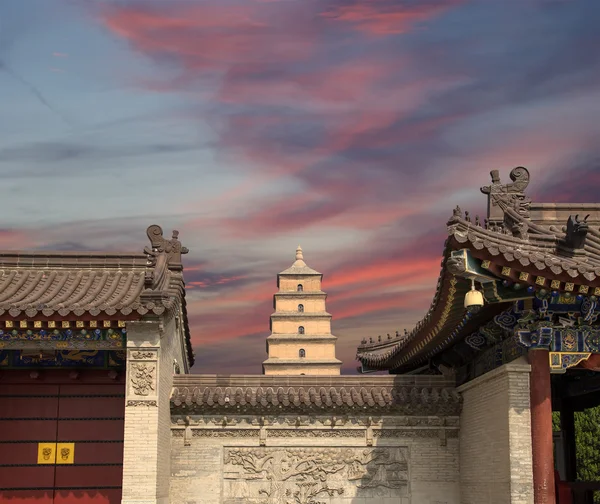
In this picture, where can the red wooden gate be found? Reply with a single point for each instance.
(80, 421)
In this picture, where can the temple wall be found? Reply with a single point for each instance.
(384, 460)
(495, 437)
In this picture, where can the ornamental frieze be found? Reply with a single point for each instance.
(142, 403)
(67, 339)
(274, 422)
(315, 433)
(140, 355)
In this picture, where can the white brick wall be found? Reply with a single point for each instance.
(495, 438)
(146, 464)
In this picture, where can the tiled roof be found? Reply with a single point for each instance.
(284, 394)
(34, 284)
(71, 284)
(518, 237)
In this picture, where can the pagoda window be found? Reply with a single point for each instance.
(301, 330)
(302, 353)
(301, 308)
(300, 288)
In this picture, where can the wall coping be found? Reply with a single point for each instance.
(517, 366)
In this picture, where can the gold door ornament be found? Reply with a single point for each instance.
(56, 453)
(46, 453)
(65, 453)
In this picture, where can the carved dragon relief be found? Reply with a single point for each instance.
(312, 475)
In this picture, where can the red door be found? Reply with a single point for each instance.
(28, 416)
(83, 420)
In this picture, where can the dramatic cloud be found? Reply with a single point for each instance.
(350, 126)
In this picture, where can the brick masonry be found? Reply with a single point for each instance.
(495, 437)
(418, 459)
(152, 348)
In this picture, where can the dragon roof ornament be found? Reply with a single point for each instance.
(163, 255)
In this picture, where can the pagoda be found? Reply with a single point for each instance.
(301, 342)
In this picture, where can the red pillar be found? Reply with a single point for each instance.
(541, 427)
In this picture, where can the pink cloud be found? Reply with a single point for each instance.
(383, 17)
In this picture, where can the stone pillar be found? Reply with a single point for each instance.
(146, 469)
(541, 427)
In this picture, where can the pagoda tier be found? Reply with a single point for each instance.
(301, 342)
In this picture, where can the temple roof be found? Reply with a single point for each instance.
(520, 248)
(299, 267)
(96, 284)
(212, 394)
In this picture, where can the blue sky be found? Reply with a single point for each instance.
(352, 127)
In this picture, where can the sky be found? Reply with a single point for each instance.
(351, 127)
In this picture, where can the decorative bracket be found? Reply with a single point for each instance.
(561, 361)
(537, 336)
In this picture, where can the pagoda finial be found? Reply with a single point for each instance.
(299, 256)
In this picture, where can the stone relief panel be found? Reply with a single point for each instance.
(303, 475)
(143, 377)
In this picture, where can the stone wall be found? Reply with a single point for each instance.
(331, 455)
(495, 438)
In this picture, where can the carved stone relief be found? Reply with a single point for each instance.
(302, 475)
(142, 378)
(143, 355)
(141, 403)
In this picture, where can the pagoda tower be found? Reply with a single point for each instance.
(301, 342)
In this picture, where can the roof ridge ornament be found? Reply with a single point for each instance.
(577, 231)
(507, 203)
(299, 255)
(162, 256)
